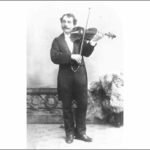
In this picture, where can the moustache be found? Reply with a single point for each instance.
(66, 28)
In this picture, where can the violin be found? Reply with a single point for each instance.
(82, 34)
(77, 33)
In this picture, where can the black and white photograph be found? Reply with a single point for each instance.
(74, 75)
(81, 85)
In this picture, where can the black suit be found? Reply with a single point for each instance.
(71, 85)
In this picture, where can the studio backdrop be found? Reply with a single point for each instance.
(43, 25)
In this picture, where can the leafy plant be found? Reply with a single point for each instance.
(107, 94)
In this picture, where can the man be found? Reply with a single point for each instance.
(72, 85)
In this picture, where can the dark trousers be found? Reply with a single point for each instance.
(73, 86)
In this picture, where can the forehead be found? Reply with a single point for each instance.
(66, 18)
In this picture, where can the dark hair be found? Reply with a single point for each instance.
(69, 15)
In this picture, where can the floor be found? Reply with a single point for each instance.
(52, 136)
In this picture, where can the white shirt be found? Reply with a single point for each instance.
(69, 42)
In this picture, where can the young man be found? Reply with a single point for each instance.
(72, 85)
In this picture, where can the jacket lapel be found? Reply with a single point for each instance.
(64, 47)
(63, 44)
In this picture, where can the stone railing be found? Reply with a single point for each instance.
(42, 98)
(43, 106)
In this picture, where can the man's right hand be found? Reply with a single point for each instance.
(77, 58)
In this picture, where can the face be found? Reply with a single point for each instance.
(67, 24)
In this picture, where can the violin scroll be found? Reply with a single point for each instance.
(110, 35)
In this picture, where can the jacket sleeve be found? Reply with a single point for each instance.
(57, 56)
(87, 49)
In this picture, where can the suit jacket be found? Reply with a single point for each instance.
(61, 55)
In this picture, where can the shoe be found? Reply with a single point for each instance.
(83, 137)
(69, 138)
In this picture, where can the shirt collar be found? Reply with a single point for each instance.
(67, 35)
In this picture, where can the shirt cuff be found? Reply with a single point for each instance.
(92, 43)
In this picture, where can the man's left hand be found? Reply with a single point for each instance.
(97, 37)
